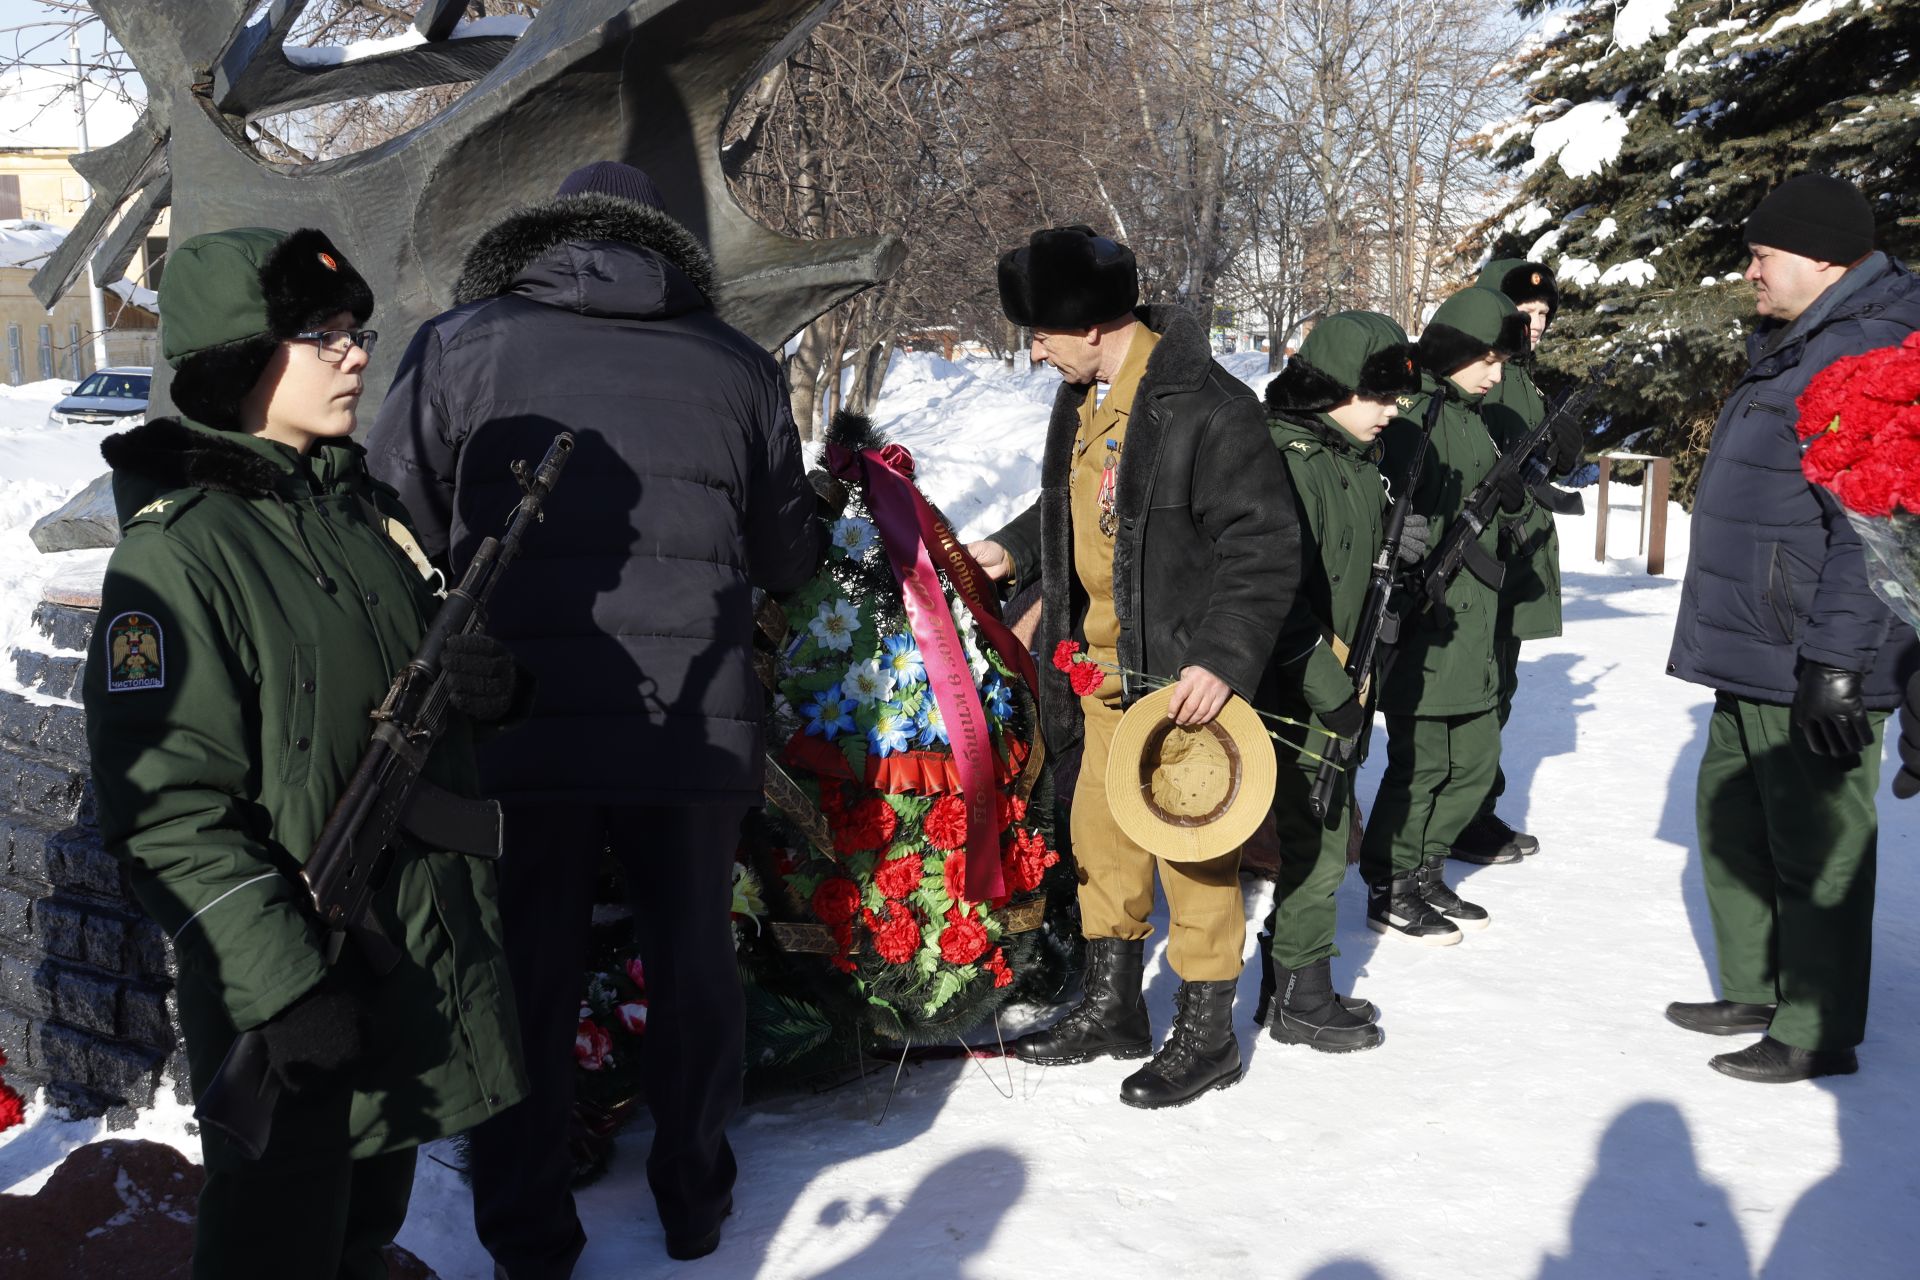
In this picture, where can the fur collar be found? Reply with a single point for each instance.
(168, 454)
(516, 242)
(1182, 358)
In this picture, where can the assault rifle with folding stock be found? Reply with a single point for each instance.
(1461, 548)
(1379, 627)
(355, 851)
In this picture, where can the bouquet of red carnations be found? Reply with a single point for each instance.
(1860, 428)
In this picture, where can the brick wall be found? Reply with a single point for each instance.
(86, 1003)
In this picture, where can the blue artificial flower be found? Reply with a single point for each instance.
(900, 655)
(932, 725)
(830, 715)
(891, 730)
(997, 696)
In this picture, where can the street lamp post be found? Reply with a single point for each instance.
(96, 305)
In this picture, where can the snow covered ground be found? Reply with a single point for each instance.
(1531, 1114)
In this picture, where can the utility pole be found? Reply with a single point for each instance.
(96, 305)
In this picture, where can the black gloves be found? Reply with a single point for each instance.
(1414, 539)
(482, 681)
(316, 1036)
(1513, 492)
(1828, 712)
(1906, 783)
(1347, 719)
(1565, 446)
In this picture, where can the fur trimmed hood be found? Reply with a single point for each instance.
(520, 240)
(1387, 374)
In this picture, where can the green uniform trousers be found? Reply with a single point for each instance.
(1313, 854)
(1788, 841)
(305, 1210)
(1506, 655)
(1438, 771)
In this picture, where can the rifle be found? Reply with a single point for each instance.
(355, 850)
(1461, 548)
(1378, 625)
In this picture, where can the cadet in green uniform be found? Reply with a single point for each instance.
(1327, 409)
(1442, 689)
(1530, 544)
(264, 593)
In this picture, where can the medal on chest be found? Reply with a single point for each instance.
(1109, 475)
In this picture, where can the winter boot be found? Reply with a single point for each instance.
(1721, 1017)
(1771, 1062)
(1111, 1018)
(1433, 887)
(1263, 1007)
(1201, 1053)
(1311, 1014)
(1488, 840)
(1396, 906)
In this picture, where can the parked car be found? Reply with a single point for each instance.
(106, 397)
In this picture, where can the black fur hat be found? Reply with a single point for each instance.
(1523, 281)
(229, 298)
(1469, 325)
(1068, 278)
(1350, 353)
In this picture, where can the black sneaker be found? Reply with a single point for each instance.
(1488, 841)
(1433, 887)
(1397, 907)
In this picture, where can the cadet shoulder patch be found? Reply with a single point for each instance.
(1301, 445)
(136, 653)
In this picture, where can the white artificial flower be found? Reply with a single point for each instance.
(835, 624)
(854, 536)
(867, 682)
(969, 640)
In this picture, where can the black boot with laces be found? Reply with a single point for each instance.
(1201, 1053)
(1111, 1019)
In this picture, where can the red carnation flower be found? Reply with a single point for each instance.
(868, 825)
(1064, 653)
(898, 877)
(1086, 678)
(1009, 809)
(946, 823)
(997, 966)
(1026, 863)
(896, 939)
(964, 938)
(842, 958)
(836, 900)
(954, 874)
(833, 799)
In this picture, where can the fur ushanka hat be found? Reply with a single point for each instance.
(1471, 324)
(1068, 278)
(1522, 281)
(229, 298)
(1350, 353)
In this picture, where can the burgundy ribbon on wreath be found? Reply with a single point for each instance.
(910, 532)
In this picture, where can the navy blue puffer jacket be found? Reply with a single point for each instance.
(1776, 575)
(632, 602)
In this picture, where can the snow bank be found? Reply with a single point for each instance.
(1586, 139)
(27, 243)
(336, 54)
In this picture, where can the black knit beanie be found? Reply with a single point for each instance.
(611, 178)
(1815, 216)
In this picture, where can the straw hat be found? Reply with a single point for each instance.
(1190, 795)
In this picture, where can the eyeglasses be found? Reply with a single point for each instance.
(334, 343)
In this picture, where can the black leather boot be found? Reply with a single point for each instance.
(1489, 841)
(1433, 887)
(1111, 1019)
(1310, 1013)
(1263, 1007)
(1200, 1054)
(1771, 1062)
(1721, 1017)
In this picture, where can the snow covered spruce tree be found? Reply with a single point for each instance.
(1654, 127)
